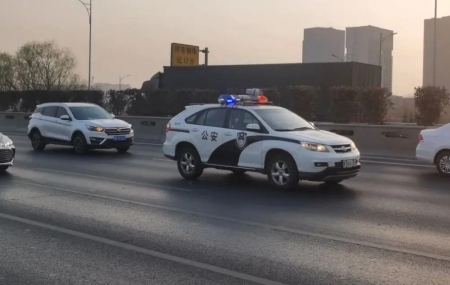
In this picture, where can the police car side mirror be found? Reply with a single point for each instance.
(253, 128)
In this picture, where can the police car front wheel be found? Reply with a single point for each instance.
(189, 164)
(282, 172)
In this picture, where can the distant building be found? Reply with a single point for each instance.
(154, 82)
(324, 75)
(320, 44)
(109, 86)
(442, 52)
(363, 45)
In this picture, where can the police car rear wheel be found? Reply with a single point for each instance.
(282, 172)
(189, 163)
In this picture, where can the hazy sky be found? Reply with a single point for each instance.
(134, 36)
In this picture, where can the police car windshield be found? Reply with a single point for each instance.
(283, 120)
(90, 113)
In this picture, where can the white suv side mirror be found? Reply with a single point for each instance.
(253, 127)
(113, 116)
(65, 118)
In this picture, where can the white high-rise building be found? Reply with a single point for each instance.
(323, 45)
(367, 44)
(442, 52)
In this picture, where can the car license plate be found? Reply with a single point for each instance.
(349, 163)
(119, 138)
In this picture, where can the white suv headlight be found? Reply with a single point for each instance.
(6, 143)
(353, 146)
(95, 129)
(314, 147)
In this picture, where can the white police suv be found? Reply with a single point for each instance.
(247, 133)
(81, 125)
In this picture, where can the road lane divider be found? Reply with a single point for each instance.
(149, 252)
(249, 223)
(112, 179)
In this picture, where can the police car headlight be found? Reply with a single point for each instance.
(353, 146)
(314, 147)
(6, 143)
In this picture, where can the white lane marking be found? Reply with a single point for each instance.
(254, 224)
(398, 163)
(112, 179)
(149, 252)
(388, 158)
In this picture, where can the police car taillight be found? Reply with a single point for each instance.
(420, 138)
(168, 127)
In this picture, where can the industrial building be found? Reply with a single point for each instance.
(323, 45)
(222, 77)
(442, 52)
(372, 45)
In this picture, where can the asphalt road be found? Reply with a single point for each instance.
(107, 218)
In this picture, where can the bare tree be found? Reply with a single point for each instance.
(45, 66)
(7, 73)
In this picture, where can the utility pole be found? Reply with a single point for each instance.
(206, 52)
(120, 81)
(88, 7)
(434, 43)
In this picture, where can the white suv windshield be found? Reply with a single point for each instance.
(283, 120)
(90, 113)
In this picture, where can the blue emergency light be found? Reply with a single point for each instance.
(227, 99)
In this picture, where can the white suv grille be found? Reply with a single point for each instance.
(117, 131)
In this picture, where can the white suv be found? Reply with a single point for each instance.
(81, 125)
(241, 134)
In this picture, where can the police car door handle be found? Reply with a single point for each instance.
(194, 130)
(228, 134)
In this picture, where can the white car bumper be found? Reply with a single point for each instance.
(316, 166)
(7, 156)
(423, 153)
(109, 140)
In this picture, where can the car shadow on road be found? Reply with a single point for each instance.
(245, 187)
(65, 152)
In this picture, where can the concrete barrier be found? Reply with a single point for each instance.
(14, 122)
(151, 129)
(380, 140)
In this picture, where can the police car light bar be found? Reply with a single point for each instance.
(253, 95)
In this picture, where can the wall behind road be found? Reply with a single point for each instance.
(385, 140)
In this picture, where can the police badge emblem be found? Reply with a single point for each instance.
(241, 140)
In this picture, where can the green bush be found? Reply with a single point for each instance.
(302, 100)
(374, 103)
(430, 103)
(343, 104)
